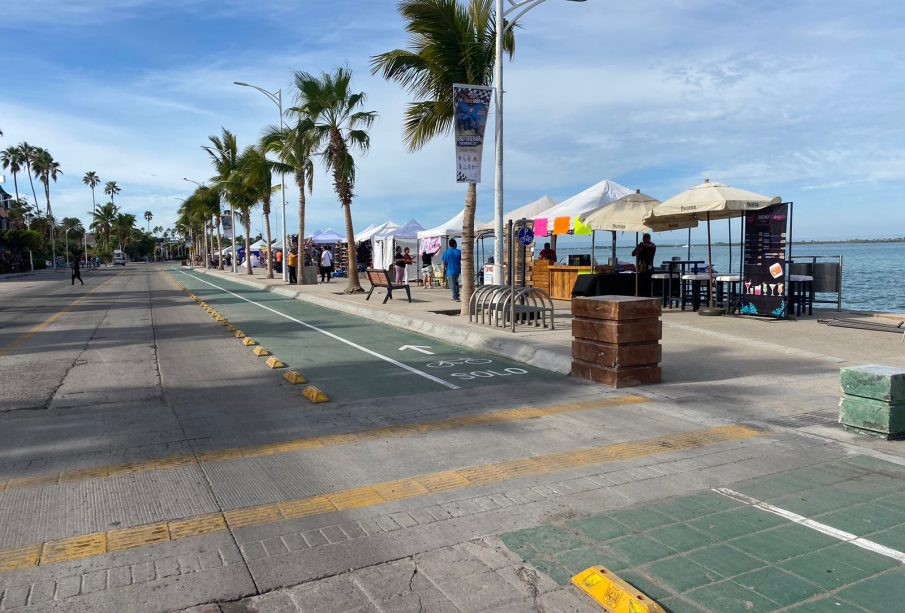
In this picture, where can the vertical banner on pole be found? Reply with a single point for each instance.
(226, 222)
(765, 273)
(471, 104)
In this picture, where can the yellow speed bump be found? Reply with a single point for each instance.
(248, 342)
(260, 351)
(315, 394)
(238, 333)
(223, 321)
(294, 377)
(612, 593)
(231, 328)
(274, 362)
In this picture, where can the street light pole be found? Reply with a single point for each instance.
(277, 98)
(519, 8)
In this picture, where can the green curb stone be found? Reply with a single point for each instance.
(874, 381)
(876, 416)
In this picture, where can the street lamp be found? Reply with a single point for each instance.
(66, 240)
(519, 8)
(277, 98)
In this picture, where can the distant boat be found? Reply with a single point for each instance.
(685, 246)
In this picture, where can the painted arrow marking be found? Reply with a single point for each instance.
(419, 348)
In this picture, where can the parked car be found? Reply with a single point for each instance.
(119, 258)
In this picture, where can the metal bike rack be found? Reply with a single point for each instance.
(494, 305)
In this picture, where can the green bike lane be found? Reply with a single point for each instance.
(830, 537)
(348, 357)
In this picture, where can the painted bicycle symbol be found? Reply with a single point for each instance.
(457, 362)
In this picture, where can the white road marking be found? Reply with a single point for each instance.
(841, 535)
(333, 336)
(420, 348)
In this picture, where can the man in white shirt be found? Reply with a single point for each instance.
(326, 265)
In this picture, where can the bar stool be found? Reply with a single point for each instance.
(801, 293)
(692, 288)
(727, 286)
(665, 279)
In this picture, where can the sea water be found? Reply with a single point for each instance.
(873, 274)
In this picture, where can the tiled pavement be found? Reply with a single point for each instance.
(706, 552)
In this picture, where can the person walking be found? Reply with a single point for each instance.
(399, 265)
(452, 259)
(278, 256)
(76, 271)
(326, 264)
(292, 262)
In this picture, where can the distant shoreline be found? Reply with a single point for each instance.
(851, 241)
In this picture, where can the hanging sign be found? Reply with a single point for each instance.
(471, 106)
(765, 273)
(226, 221)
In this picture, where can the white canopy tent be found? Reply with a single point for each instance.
(383, 244)
(587, 200)
(370, 231)
(527, 211)
(452, 227)
(328, 237)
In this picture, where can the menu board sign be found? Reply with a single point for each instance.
(764, 275)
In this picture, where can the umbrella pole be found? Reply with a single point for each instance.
(636, 267)
(730, 245)
(710, 258)
(614, 248)
(593, 248)
(689, 245)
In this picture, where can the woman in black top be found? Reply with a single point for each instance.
(399, 264)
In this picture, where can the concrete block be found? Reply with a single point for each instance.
(609, 354)
(617, 377)
(874, 381)
(617, 308)
(873, 416)
(618, 332)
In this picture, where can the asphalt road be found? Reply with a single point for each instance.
(149, 461)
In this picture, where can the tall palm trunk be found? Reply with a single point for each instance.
(33, 192)
(354, 286)
(16, 185)
(300, 262)
(219, 246)
(266, 206)
(93, 201)
(246, 221)
(471, 202)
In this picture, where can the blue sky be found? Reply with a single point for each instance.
(799, 98)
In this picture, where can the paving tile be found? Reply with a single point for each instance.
(783, 543)
(895, 501)
(881, 593)
(449, 564)
(781, 587)
(830, 604)
(599, 527)
(557, 572)
(681, 574)
(645, 584)
(386, 581)
(681, 537)
(729, 597)
(637, 549)
(68, 587)
(824, 569)
(725, 560)
(894, 538)
(332, 594)
(481, 591)
(761, 520)
(723, 526)
(861, 558)
(814, 502)
(641, 519)
(684, 508)
(863, 519)
(577, 560)
(677, 604)
(546, 539)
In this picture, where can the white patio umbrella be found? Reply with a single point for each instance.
(709, 201)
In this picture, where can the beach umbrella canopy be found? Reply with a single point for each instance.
(709, 201)
(628, 214)
(592, 198)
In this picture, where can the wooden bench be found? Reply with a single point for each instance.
(381, 278)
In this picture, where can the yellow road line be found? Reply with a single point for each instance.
(365, 496)
(318, 441)
(16, 342)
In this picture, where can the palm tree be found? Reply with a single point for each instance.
(92, 180)
(148, 217)
(111, 189)
(123, 225)
(102, 221)
(242, 196)
(46, 169)
(295, 146)
(11, 158)
(450, 43)
(257, 175)
(26, 155)
(202, 205)
(331, 107)
(224, 154)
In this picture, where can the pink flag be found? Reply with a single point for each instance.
(540, 226)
